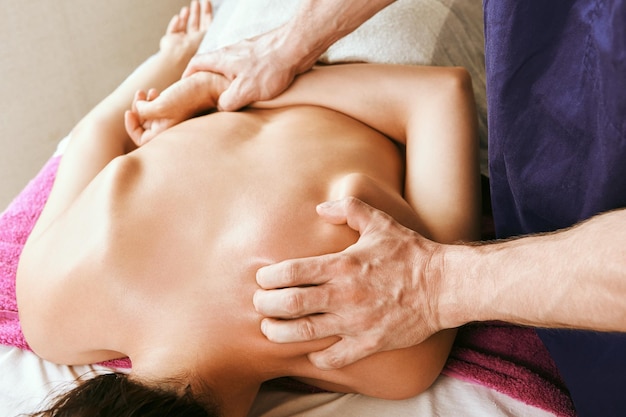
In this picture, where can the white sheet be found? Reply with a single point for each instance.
(27, 380)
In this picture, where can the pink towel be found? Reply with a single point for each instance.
(509, 359)
(16, 223)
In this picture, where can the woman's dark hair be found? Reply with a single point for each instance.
(116, 395)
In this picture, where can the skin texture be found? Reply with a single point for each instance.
(262, 67)
(149, 248)
(573, 278)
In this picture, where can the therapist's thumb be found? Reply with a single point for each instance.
(208, 61)
(350, 210)
(233, 98)
(343, 353)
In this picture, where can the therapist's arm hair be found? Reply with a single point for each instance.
(318, 24)
(573, 278)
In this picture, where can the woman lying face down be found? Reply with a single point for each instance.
(150, 252)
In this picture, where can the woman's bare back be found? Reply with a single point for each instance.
(156, 258)
(192, 215)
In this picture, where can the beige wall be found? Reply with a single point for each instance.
(57, 59)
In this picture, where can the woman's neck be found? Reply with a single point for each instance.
(227, 353)
(227, 379)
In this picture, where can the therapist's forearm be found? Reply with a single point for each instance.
(320, 23)
(575, 278)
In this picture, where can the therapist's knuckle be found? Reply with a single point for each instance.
(351, 203)
(290, 273)
(294, 304)
(334, 361)
(306, 330)
(371, 343)
(272, 333)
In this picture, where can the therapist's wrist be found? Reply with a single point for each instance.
(305, 43)
(318, 24)
(459, 299)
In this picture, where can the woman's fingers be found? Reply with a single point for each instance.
(133, 127)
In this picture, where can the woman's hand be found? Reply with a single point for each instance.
(186, 30)
(143, 126)
(152, 113)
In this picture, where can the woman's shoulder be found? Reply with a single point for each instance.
(393, 375)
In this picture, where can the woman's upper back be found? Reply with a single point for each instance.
(166, 240)
(157, 258)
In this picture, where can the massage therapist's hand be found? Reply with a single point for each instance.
(259, 68)
(262, 67)
(377, 295)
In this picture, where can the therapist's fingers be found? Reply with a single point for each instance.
(375, 296)
(299, 330)
(356, 342)
(357, 214)
(346, 351)
(220, 62)
(235, 96)
(253, 83)
(293, 302)
(217, 62)
(208, 61)
(343, 353)
(320, 269)
(296, 272)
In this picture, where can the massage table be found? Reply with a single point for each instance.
(485, 375)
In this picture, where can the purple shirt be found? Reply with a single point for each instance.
(556, 95)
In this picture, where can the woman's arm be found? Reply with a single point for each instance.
(95, 141)
(383, 96)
